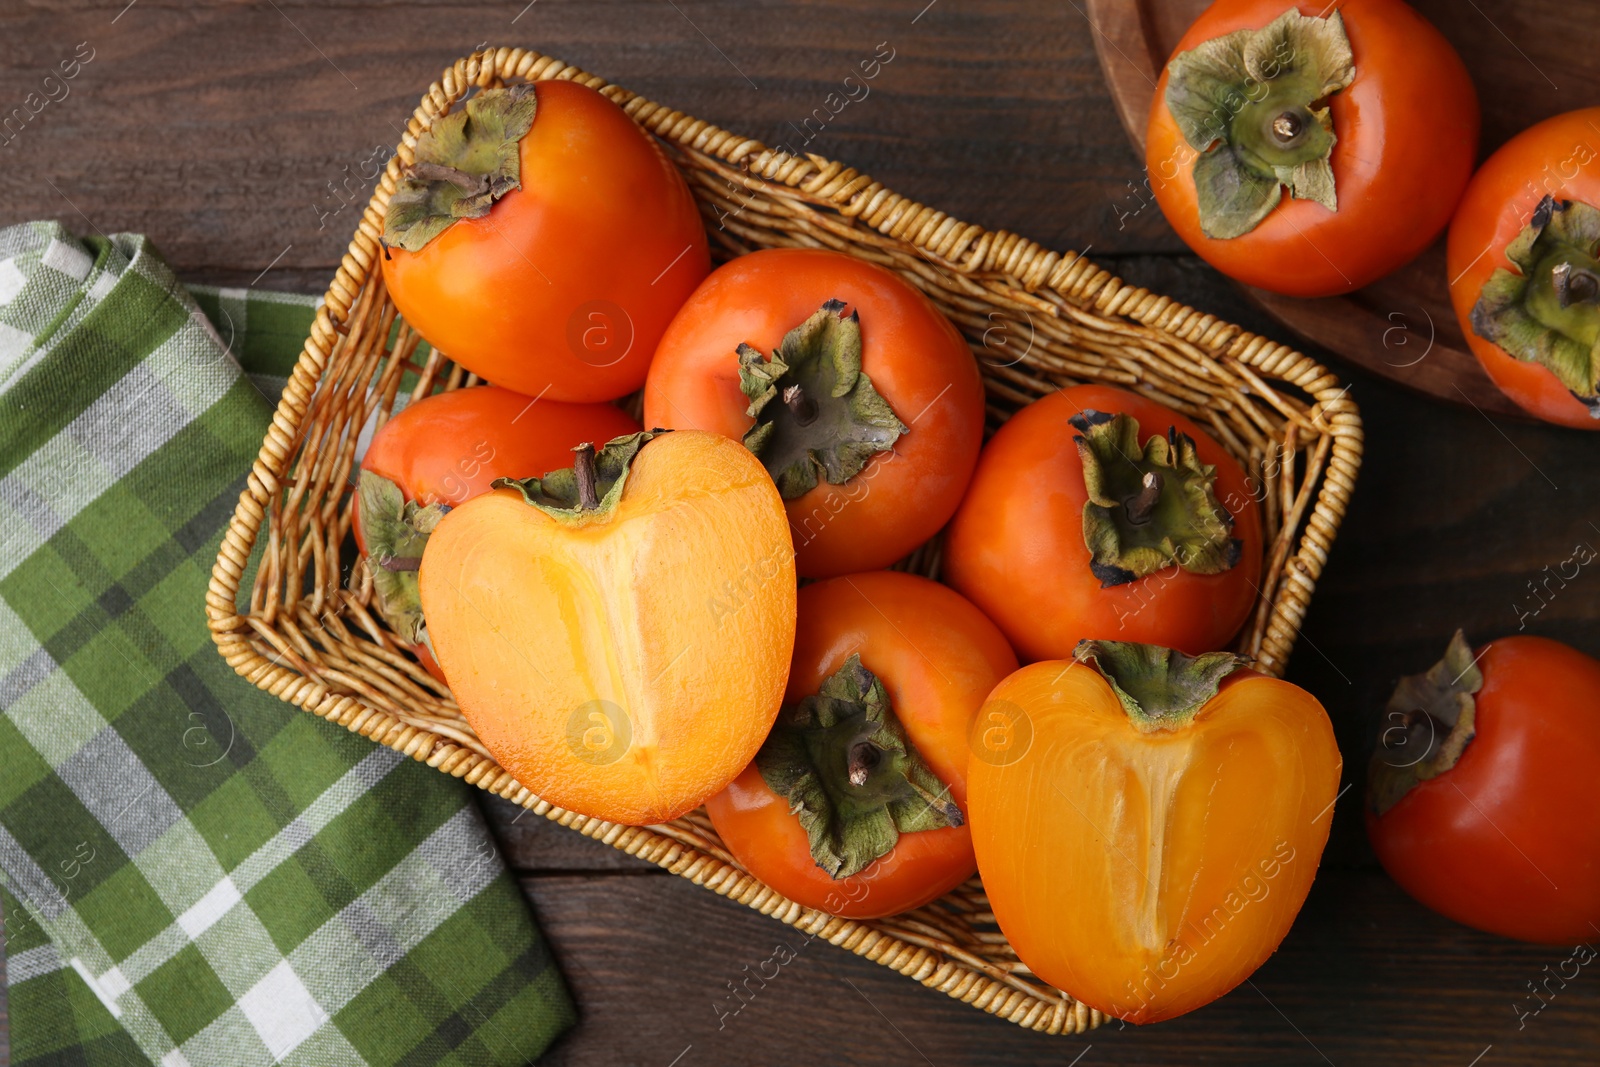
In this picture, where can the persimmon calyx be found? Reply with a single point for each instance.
(1428, 723)
(396, 531)
(1253, 103)
(817, 415)
(1149, 506)
(1547, 311)
(1159, 688)
(849, 772)
(589, 489)
(463, 163)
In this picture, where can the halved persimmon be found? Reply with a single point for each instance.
(619, 634)
(1147, 825)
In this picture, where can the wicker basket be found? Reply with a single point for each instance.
(1036, 319)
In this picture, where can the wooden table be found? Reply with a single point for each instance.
(217, 128)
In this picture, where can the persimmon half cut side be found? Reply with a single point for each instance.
(1147, 868)
(625, 659)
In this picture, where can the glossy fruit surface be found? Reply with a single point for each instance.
(563, 288)
(913, 358)
(1507, 837)
(1405, 130)
(1017, 546)
(937, 658)
(1148, 870)
(621, 651)
(1558, 159)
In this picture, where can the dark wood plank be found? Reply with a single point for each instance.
(218, 130)
(1356, 981)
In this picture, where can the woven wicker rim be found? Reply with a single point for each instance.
(324, 651)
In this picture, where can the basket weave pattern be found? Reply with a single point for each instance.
(1036, 319)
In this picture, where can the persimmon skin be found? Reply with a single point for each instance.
(563, 290)
(1558, 157)
(450, 447)
(1407, 131)
(1508, 839)
(937, 657)
(1237, 807)
(1016, 548)
(676, 611)
(914, 357)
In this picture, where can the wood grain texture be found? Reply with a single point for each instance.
(215, 129)
(1356, 982)
(1402, 327)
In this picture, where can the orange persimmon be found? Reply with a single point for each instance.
(1098, 513)
(860, 397)
(1480, 797)
(1522, 268)
(1311, 148)
(889, 670)
(544, 240)
(1147, 825)
(618, 635)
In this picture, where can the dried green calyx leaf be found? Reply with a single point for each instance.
(1253, 104)
(1150, 506)
(1428, 723)
(589, 489)
(396, 531)
(1547, 311)
(817, 415)
(843, 762)
(464, 162)
(1159, 688)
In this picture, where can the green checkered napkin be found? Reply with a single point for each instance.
(195, 873)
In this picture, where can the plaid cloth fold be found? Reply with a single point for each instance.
(194, 872)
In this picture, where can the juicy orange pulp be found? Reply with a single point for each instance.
(624, 666)
(1149, 873)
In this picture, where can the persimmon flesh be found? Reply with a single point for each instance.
(1148, 871)
(626, 659)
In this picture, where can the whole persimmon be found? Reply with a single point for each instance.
(544, 241)
(1148, 824)
(441, 451)
(1524, 278)
(859, 396)
(618, 634)
(1311, 148)
(854, 805)
(1480, 801)
(1099, 513)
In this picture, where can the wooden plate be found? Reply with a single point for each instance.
(1402, 327)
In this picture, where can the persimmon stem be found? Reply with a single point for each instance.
(801, 405)
(1573, 286)
(1287, 126)
(864, 758)
(583, 471)
(1141, 506)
